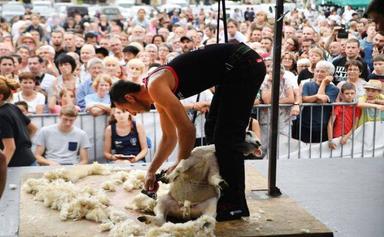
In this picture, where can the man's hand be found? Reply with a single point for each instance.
(295, 110)
(53, 163)
(149, 182)
(327, 80)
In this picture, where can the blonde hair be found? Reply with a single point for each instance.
(111, 59)
(7, 86)
(101, 78)
(68, 110)
(136, 62)
(317, 51)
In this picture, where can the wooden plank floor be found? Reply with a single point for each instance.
(269, 216)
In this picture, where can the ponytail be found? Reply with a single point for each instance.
(7, 86)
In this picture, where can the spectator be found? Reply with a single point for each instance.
(23, 106)
(141, 19)
(334, 49)
(367, 44)
(15, 129)
(126, 137)
(130, 52)
(87, 52)
(378, 66)
(44, 80)
(158, 40)
(47, 53)
(344, 119)
(67, 78)
(286, 96)
(24, 53)
(233, 33)
(57, 42)
(153, 52)
(95, 66)
(69, 42)
(34, 99)
(372, 103)
(60, 143)
(197, 106)
(302, 64)
(99, 103)
(7, 67)
(163, 52)
(352, 50)
(289, 63)
(136, 70)
(266, 43)
(315, 55)
(319, 90)
(112, 68)
(186, 44)
(117, 49)
(354, 69)
(291, 45)
(65, 97)
(35, 26)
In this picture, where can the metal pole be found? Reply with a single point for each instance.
(279, 16)
(225, 22)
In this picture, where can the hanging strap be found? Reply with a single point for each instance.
(195, 112)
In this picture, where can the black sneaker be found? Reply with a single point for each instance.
(228, 211)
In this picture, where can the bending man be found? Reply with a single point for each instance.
(237, 72)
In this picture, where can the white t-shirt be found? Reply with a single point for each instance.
(200, 117)
(62, 147)
(39, 100)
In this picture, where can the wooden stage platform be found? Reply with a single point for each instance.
(279, 216)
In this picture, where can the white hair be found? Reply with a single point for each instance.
(327, 66)
(49, 48)
(94, 61)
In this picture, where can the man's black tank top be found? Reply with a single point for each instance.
(200, 69)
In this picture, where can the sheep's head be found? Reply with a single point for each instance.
(250, 144)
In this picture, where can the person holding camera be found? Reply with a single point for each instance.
(352, 51)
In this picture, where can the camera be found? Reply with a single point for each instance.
(342, 33)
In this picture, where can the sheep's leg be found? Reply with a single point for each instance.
(207, 207)
(214, 177)
(164, 204)
(183, 166)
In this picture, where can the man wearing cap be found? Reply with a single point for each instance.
(186, 44)
(237, 72)
(372, 102)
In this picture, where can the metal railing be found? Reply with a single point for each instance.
(364, 141)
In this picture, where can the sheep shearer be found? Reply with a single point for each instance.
(237, 73)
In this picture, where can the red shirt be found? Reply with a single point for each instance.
(346, 112)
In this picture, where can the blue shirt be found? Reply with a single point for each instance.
(311, 88)
(84, 89)
(94, 98)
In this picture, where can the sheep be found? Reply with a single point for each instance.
(195, 185)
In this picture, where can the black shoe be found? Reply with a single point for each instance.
(229, 211)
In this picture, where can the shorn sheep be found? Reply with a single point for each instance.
(195, 185)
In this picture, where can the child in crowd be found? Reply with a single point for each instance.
(135, 70)
(66, 97)
(378, 65)
(372, 102)
(23, 106)
(344, 117)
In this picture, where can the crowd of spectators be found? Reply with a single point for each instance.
(326, 56)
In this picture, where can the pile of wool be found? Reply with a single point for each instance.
(204, 226)
(127, 228)
(135, 180)
(77, 172)
(142, 203)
